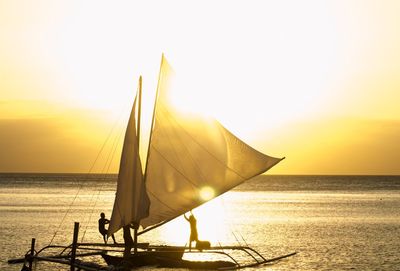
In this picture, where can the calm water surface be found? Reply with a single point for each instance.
(333, 222)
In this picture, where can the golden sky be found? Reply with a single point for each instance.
(315, 81)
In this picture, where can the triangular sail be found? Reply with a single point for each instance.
(131, 201)
(192, 160)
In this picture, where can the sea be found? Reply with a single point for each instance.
(331, 222)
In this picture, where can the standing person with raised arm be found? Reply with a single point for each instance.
(193, 229)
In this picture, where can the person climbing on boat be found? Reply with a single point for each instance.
(128, 241)
(102, 228)
(193, 229)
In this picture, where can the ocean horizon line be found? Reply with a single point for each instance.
(116, 173)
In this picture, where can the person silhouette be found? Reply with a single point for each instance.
(128, 241)
(102, 228)
(193, 229)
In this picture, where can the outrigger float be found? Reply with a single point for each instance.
(147, 255)
(190, 160)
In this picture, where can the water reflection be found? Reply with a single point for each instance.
(333, 230)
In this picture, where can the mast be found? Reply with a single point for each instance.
(135, 230)
(139, 110)
(149, 145)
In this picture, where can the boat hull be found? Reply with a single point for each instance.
(205, 265)
(145, 258)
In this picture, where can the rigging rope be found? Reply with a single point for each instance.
(243, 239)
(232, 231)
(110, 158)
(80, 184)
(105, 170)
(102, 178)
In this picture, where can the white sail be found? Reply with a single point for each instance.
(192, 160)
(131, 201)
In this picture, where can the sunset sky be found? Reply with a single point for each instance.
(315, 81)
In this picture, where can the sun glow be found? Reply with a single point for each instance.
(207, 193)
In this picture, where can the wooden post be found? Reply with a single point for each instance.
(135, 241)
(74, 245)
(32, 253)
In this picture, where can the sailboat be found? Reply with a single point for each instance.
(186, 155)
